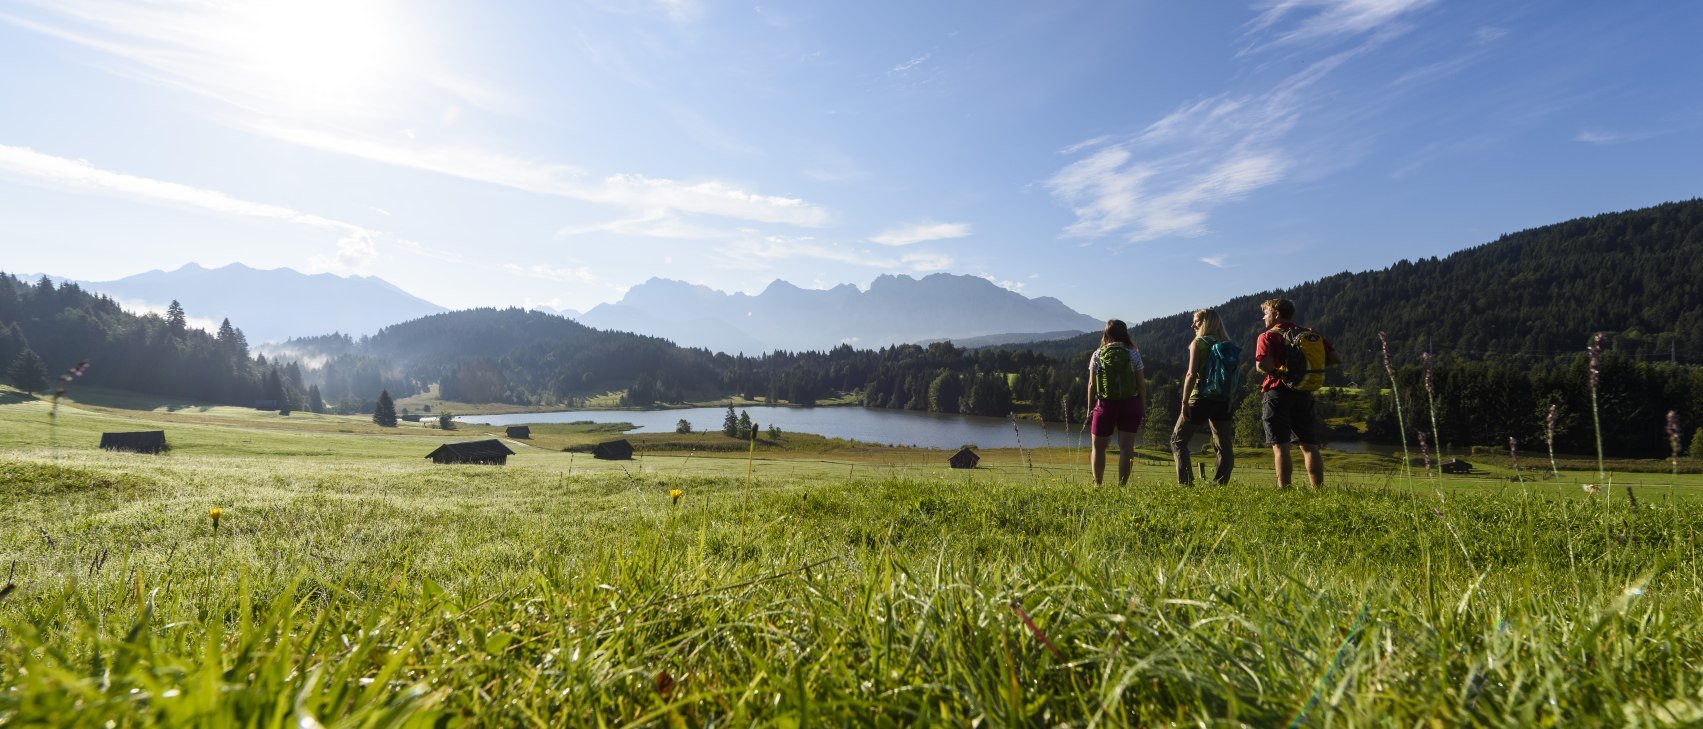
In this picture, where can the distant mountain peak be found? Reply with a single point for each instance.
(895, 309)
(250, 298)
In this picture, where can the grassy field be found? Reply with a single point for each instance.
(352, 583)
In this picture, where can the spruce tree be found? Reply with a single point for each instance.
(1697, 444)
(730, 424)
(28, 373)
(384, 413)
(176, 319)
(744, 425)
(315, 403)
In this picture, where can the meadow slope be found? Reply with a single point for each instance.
(352, 583)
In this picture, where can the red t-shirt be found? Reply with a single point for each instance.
(1270, 345)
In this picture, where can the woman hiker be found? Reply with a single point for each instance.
(1207, 385)
(1118, 390)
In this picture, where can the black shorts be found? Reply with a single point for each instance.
(1288, 417)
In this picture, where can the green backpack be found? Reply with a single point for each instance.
(1114, 379)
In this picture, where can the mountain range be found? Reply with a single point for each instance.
(893, 310)
(270, 305)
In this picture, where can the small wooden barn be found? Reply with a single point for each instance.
(487, 452)
(519, 432)
(615, 450)
(1456, 465)
(143, 441)
(965, 458)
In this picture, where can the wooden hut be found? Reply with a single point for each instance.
(1456, 465)
(615, 450)
(519, 432)
(144, 441)
(965, 458)
(487, 452)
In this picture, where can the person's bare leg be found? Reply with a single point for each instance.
(1126, 455)
(1097, 461)
(1315, 463)
(1280, 460)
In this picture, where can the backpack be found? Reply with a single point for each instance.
(1218, 377)
(1114, 379)
(1303, 358)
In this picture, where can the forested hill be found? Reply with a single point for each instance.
(46, 330)
(1637, 275)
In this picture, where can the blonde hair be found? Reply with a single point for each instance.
(1214, 325)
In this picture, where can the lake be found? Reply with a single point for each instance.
(870, 425)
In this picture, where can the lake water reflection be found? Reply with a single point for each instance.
(870, 425)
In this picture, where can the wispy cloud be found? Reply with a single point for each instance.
(654, 224)
(78, 175)
(918, 232)
(1215, 261)
(314, 95)
(1015, 286)
(1295, 22)
(912, 62)
(357, 246)
(1168, 178)
(1598, 136)
(636, 192)
(756, 250)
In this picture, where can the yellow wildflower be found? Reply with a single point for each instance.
(675, 494)
(215, 513)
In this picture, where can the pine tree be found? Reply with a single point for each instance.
(744, 425)
(227, 337)
(384, 413)
(730, 424)
(176, 319)
(28, 373)
(315, 403)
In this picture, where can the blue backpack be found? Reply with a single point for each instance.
(1218, 377)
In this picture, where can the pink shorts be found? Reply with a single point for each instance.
(1109, 415)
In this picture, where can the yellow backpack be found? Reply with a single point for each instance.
(1303, 358)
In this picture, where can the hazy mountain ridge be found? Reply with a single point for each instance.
(271, 305)
(895, 309)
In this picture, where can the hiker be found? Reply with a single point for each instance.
(1293, 359)
(1208, 387)
(1118, 390)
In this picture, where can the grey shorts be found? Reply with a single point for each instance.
(1288, 417)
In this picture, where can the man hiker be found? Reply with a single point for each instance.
(1293, 359)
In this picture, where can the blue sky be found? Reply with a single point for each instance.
(1132, 159)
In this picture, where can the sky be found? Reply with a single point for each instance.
(1132, 159)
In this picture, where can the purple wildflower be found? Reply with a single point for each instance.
(1424, 452)
(1514, 452)
(1427, 357)
(1385, 343)
(1596, 359)
(1673, 432)
(1549, 427)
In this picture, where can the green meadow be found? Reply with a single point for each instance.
(349, 582)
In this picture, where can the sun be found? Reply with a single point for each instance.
(313, 52)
